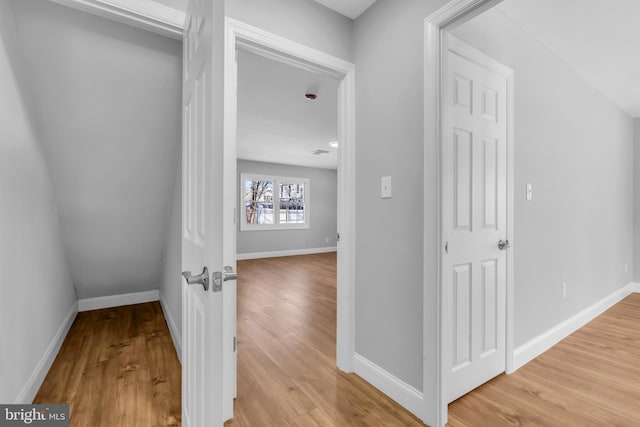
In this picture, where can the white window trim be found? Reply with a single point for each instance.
(276, 205)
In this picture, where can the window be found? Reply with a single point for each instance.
(274, 203)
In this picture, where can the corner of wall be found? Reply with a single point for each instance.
(31, 387)
(176, 334)
(543, 342)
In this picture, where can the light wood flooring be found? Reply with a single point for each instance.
(287, 373)
(592, 378)
(117, 367)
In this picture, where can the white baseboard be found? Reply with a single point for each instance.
(176, 334)
(109, 301)
(293, 252)
(405, 395)
(543, 342)
(31, 387)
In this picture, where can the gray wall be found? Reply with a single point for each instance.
(322, 216)
(388, 49)
(109, 105)
(303, 21)
(576, 148)
(636, 200)
(36, 292)
(171, 284)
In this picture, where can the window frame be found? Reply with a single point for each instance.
(277, 180)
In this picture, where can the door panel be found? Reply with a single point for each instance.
(474, 220)
(201, 226)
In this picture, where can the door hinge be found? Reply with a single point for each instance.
(338, 237)
(234, 344)
(446, 247)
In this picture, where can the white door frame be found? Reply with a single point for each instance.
(239, 35)
(451, 14)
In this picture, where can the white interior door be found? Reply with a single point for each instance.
(202, 227)
(474, 222)
(230, 216)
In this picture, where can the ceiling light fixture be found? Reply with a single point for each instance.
(333, 144)
(310, 96)
(319, 152)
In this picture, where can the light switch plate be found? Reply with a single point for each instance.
(529, 192)
(385, 187)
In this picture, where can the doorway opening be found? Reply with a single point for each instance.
(462, 207)
(290, 208)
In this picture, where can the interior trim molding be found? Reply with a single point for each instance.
(31, 387)
(404, 394)
(543, 342)
(242, 36)
(145, 14)
(291, 252)
(109, 301)
(176, 335)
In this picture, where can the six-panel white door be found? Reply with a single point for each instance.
(202, 146)
(474, 219)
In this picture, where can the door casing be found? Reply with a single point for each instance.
(450, 15)
(239, 35)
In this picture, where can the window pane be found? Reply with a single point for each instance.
(259, 213)
(258, 197)
(291, 203)
(258, 191)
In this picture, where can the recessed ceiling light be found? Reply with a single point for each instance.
(333, 144)
(319, 152)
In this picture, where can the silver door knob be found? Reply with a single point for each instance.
(503, 244)
(200, 279)
(229, 274)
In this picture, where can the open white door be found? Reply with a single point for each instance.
(230, 216)
(202, 224)
(474, 220)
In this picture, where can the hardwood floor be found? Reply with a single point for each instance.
(592, 378)
(117, 367)
(286, 351)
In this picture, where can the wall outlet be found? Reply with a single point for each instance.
(326, 240)
(564, 290)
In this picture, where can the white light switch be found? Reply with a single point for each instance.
(529, 192)
(385, 187)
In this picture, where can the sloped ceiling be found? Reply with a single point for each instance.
(276, 123)
(597, 38)
(109, 102)
(349, 8)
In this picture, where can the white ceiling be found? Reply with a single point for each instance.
(349, 8)
(276, 123)
(597, 38)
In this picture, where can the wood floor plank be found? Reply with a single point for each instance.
(286, 351)
(592, 378)
(117, 367)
